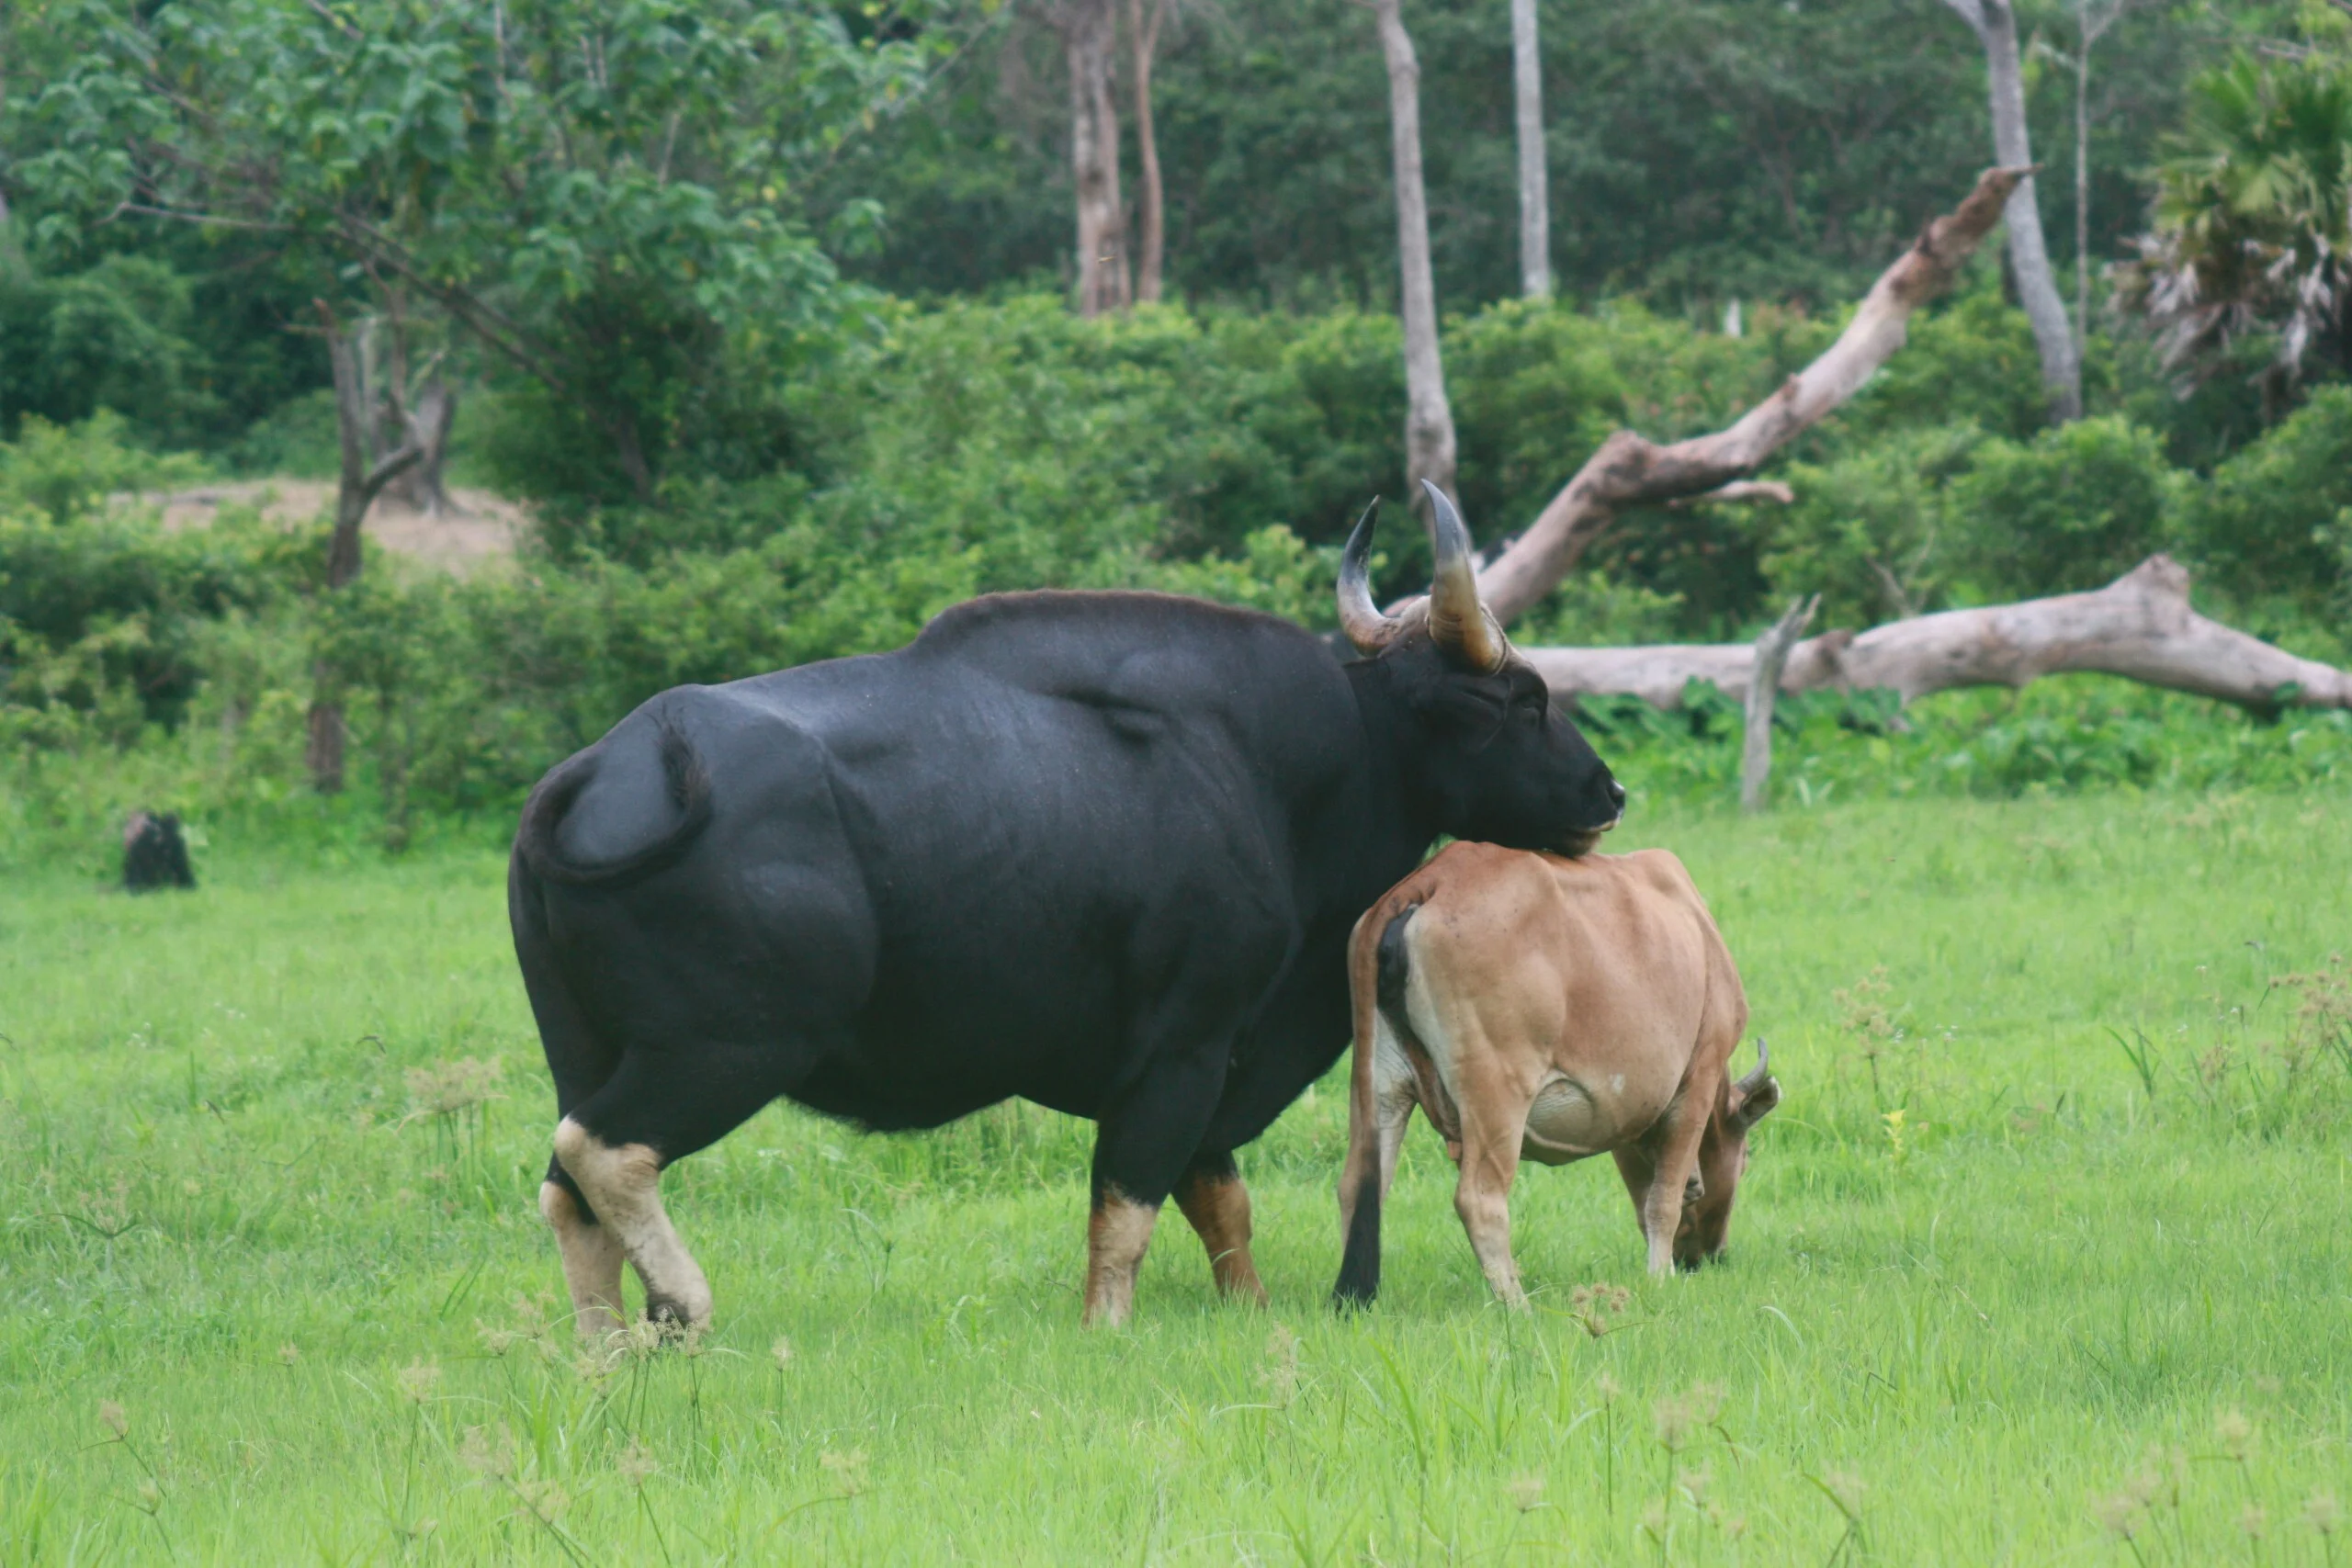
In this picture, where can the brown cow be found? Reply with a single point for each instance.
(1546, 1008)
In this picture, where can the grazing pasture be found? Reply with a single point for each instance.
(2043, 1259)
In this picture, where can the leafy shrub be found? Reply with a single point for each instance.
(2074, 508)
(66, 470)
(114, 337)
(2277, 515)
(1869, 531)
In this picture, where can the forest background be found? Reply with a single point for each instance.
(770, 314)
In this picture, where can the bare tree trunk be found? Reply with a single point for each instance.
(429, 422)
(1090, 29)
(1996, 25)
(2092, 19)
(1630, 470)
(1755, 740)
(1144, 20)
(1534, 195)
(2140, 626)
(356, 487)
(2083, 189)
(1429, 418)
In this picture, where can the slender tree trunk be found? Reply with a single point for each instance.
(1144, 18)
(356, 487)
(1090, 30)
(1534, 195)
(1996, 25)
(2083, 189)
(1428, 418)
(1763, 688)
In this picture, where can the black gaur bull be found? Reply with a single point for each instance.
(1101, 850)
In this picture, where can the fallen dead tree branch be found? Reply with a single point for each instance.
(1632, 470)
(2139, 625)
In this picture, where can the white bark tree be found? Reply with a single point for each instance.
(1995, 23)
(2093, 19)
(1089, 30)
(1632, 470)
(1144, 20)
(1534, 194)
(2140, 626)
(1429, 417)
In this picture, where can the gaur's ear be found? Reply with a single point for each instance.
(1752, 1107)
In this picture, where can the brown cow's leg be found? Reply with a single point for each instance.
(1217, 1205)
(1117, 1238)
(592, 1261)
(1670, 1165)
(1492, 1126)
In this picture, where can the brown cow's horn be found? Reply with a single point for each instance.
(1758, 1074)
(1366, 627)
(1459, 624)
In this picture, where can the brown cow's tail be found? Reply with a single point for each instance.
(1377, 969)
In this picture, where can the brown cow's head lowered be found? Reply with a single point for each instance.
(1490, 755)
(1723, 1155)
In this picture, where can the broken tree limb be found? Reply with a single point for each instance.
(1771, 654)
(1740, 492)
(2140, 626)
(1631, 469)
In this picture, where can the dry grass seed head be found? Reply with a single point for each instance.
(417, 1381)
(2321, 1512)
(483, 1455)
(2234, 1433)
(1526, 1491)
(782, 1351)
(1677, 1416)
(637, 1464)
(1846, 1490)
(113, 1417)
(443, 1088)
(847, 1469)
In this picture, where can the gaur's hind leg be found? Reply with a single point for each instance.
(653, 1112)
(592, 1257)
(1217, 1205)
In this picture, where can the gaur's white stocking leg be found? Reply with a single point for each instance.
(1118, 1236)
(623, 1185)
(592, 1261)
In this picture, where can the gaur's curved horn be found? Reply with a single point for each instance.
(1757, 1075)
(1367, 628)
(1459, 624)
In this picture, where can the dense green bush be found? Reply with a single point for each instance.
(2074, 508)
(1869, 531)
(2278, 517)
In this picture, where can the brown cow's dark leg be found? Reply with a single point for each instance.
(1217, 1205)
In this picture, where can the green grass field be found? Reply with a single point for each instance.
(2001, 1289)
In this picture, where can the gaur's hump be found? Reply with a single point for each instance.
(1114, 614)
